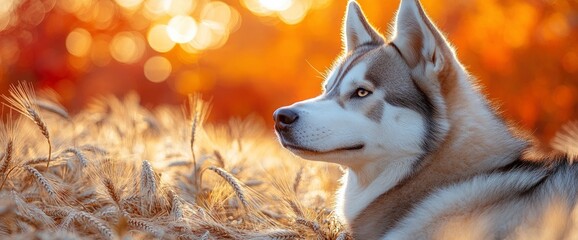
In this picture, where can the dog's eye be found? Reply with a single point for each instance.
(361, 93)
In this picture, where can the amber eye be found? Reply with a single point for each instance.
(360, 92)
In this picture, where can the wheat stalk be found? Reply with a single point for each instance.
(94, 149)
(219, 157)
(234, 182)
(36, 161)
(23, 100)
(193, 134)
(41, 180)
(53, 108)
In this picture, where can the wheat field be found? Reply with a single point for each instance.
(116, 170)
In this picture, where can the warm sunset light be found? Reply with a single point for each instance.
(196, 119)
(271, 48)
(182, 29)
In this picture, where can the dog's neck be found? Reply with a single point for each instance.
(375, 197)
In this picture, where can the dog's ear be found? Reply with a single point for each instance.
(417, 37)
(356, 30)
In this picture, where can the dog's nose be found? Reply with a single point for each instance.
(284, 117)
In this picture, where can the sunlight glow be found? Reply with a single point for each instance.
(182, 29)
(276, 5)
(178, 7)
(294, 14)
(129, 4)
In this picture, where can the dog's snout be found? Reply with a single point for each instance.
(284, 117)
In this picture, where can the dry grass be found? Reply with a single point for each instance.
(119, 171)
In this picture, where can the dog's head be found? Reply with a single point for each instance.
(381, 98)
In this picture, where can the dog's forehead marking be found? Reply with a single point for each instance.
(387, 71)
(333, 85)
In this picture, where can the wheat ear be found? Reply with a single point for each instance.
(313, 226)
(41, 180)
(296, 208)
(148, 182)
(343, 236)
(147, 227)
(7, 158)
(197, 111)
(193, 135)
(44, 129)
(219, 158)
(205, 235)
(176, 206)
(81, 157)
(234, 182)
(23, 100)
(102, 228)
(112, 193)
(217, 230)
(278, 234)
(297, 180)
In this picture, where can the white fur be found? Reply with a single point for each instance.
(391, 146)
(324, 126)
(352, 197)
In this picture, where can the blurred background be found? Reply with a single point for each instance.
(253, 56)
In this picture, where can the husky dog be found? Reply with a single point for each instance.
(426, 156)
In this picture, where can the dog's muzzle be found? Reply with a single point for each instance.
(284, 118)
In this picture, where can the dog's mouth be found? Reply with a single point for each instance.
(315, 151)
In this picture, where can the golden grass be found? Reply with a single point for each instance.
(120, 171)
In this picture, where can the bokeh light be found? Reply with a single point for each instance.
(127, 47)
(252, 56)
(159, 39)
(182, 29)
(78, 42)
(129, 4)
(178, 7)
(157, 69)
(276, 5)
